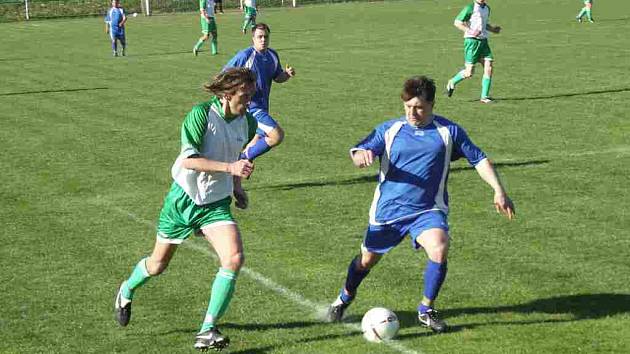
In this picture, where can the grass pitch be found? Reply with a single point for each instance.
(88, 141)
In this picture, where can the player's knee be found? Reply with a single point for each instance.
(234, 261)
(468, 73)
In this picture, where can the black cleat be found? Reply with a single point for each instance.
(122, 312)
(450, 88)
(211, 339)
(336, 310)
(430, 319)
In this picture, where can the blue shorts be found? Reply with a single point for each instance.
(381, 239)
(120, 35)
(265, 122)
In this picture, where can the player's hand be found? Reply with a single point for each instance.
(290, 71)
(503, 204)
(497, 29)
(241, 168)
(475, 33)
(363, 158)
(241, 199)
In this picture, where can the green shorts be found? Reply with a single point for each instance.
(208, 27)
(250, 12)
(180, 216)
(475, 50)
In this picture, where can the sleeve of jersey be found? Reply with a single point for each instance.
(464, 147)
(374, 142)
(465, 14)
(236, 62)
(252, 125)
(193, 130)
(279, 70)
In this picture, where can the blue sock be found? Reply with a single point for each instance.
(257, 149)
(434, 276)
(353, 280)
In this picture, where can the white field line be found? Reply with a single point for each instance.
(318, 308)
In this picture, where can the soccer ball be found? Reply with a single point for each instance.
(379, 324)
(135, 14)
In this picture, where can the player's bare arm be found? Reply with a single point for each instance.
(502, 203)
(493, 29)
(240, 196)
(288, 73)
(240, 168)
(363, 158)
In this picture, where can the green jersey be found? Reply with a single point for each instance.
(207, 133)
(476, 16)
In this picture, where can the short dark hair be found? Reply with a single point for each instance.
(418, 86)
(230, 81)
(261, 26)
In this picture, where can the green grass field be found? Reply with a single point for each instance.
(88, 140)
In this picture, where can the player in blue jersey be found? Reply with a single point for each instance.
(265, 62)
(411, 198)
(115, 25)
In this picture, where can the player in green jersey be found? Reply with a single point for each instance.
(208, 26)
(473, 21)
(207, 173)
(250, 10)
(586, 10)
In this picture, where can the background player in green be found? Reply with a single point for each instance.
(250, 10)
(473, 21)
(208, 26)
(586, 10)
(206, 174)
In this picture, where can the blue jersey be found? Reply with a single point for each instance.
(414, 166)
(267, 67)
(113, 18)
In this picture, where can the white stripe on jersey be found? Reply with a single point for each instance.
(250, 61)
(448, 145)
(390, 134)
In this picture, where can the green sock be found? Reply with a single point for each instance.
(214, 45)
(222, 291)
(588, 14)
(582, 12)
(139, 276)
(485, 86)
(199, 44)
(459, 77)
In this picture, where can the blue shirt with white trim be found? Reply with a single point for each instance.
(267, 67)
(113, 18)
(414, 166)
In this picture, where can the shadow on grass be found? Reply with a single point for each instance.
(580, 307)
(53, 91)
(560, 95)
(373, 179)
(296, 342)
(248, 327)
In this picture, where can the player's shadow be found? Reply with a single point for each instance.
(161, 54)
(577, 307)
(250, 326)
(373, 178)
(293, 343)
(53, 91)
(560, 95)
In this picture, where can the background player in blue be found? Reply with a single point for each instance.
(115, 25)
(265, 62)
(411, 197)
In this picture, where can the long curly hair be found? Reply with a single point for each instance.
(229, 81)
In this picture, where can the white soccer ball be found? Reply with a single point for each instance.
(135, 14)
(379, 324)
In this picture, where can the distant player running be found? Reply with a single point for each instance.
(265, 62)
(208, 26)
(473, 21)
(586, 10)
(250, 10)
(115, 25)
(206, 174)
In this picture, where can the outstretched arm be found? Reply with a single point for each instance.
(240, 168)
(362, 158)
(493, 29)
(502, 202)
